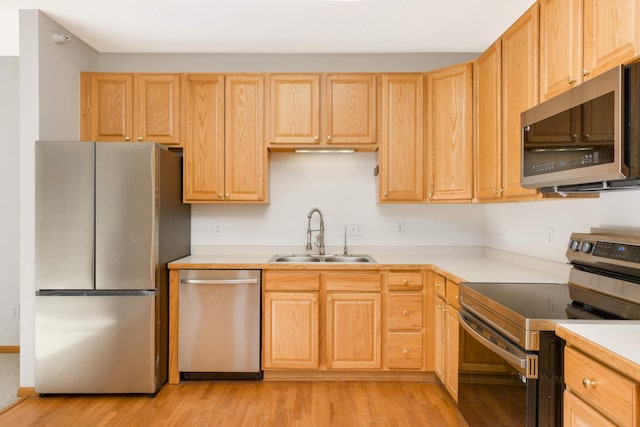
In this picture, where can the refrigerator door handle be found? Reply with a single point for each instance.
(219, 281)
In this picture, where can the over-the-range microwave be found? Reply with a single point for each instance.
(585, 139)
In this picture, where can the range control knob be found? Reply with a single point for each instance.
(574, 245)
(586, 247)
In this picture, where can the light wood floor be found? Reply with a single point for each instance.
(240, 403)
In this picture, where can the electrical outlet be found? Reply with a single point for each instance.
(217, 230)
(354, 230)
(401, 227)
(15, 312)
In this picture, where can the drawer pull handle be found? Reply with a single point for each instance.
(588, 384)
(405, 312)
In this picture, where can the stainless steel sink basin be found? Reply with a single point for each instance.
(322, 258)
(295, 258)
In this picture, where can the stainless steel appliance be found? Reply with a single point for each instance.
(109, 217)
(516, 379)
(586, 139)
(219, 324)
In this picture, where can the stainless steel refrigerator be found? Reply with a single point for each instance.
(109, 217)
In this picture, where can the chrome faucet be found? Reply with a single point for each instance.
(320, 237)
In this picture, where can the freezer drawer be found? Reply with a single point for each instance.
(219, 323)
(95, 344)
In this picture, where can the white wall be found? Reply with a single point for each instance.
(524, 227)
(344, 188)
(49, 109)
(9, 218)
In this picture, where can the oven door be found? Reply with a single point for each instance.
(500, 384)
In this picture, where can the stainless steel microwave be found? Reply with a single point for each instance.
(585, 139)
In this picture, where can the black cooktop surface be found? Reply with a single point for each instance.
(529, 300)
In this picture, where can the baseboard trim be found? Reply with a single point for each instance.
(26, 392)
(310, 375)
(9, 349)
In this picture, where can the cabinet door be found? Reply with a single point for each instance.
(291, 330)
(245, 153)
(576, 413)
(519, 93)
(440, 337)
(560, 46)
(487, 124)
(204, 146)
(401, 155)
(450, 138)
(353, 330)
(611, 34)
(294, 109)
(451, 352)
(157, 106)
(350, 112)
(112, 107)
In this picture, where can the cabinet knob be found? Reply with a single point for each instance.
(571, 80)
(139, 138)
(586, 73)
(126, 138)
(588, 384)
(329, 299)
(405, 351)
(405, 312)
(430, 195)
(437, 284)
(385, 195)
(316, 138)
(405, 282)
(227, 195)
(315, 300)
(219, 195)
(329, 138)
(444, 308)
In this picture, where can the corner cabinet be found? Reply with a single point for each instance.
(322, 110)
(450, 133)
(225, 155)
(131, 107)
(401, 154)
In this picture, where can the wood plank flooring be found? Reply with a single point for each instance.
(249, 403)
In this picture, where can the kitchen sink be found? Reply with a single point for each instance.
(322, 258)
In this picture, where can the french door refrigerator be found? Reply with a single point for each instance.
(109, 217)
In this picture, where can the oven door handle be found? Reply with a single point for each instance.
(527, 365)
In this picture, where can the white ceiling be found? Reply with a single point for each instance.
(270, 26)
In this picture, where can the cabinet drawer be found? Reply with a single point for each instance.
(287, 281)
(405, 281)
(439, 282)
(577, 413)
(358, 282)
(405, 311)
(611, 393)
(452, 293)
(405, 350)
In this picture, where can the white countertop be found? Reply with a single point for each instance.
(472, 264)
(619, 337)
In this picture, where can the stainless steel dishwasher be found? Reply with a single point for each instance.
(219, 324)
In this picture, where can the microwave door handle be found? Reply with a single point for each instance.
(518, 362)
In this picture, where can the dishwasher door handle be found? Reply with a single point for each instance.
(219, 281)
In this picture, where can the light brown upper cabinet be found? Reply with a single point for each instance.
(450, 133)
(224, 152)
(131, 107)
(580, 39)
(487, 124)
(314, 110)
(519, 93)
(401, 155)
